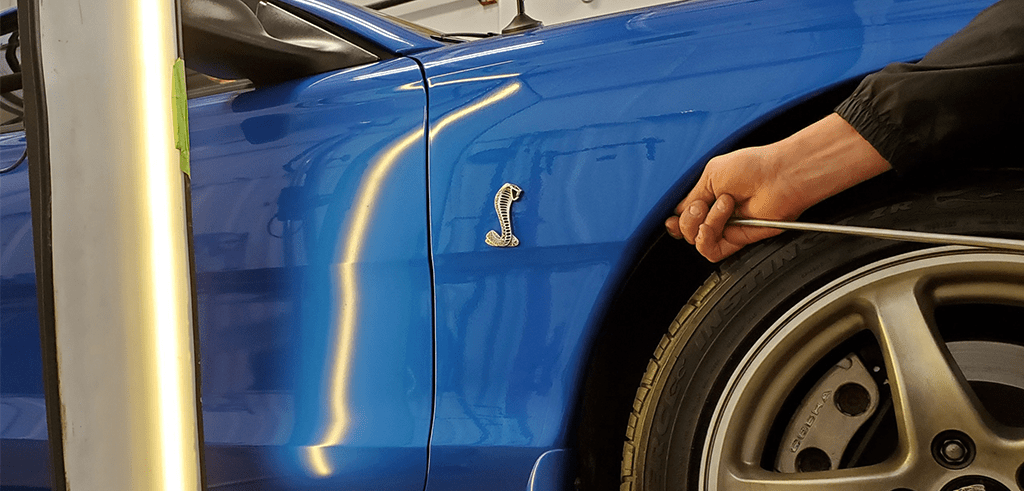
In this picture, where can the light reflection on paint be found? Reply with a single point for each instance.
(475, 68)
(363, 207)
(503, 49)
(353, 19)
(475, 79)
(365, 202)
(496, 96)
(385, 73)
(168, 321)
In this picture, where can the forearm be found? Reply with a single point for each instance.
(823, 159)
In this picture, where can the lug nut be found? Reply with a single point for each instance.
(954, 451)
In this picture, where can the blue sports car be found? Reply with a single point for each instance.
(431, 262)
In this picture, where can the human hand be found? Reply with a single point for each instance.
(775, 182)
(747, 183)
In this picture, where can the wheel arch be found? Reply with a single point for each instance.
(662, 276)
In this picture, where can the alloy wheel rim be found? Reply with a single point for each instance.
(894, 299)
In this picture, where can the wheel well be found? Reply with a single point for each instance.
(670, 271)
(662, 280)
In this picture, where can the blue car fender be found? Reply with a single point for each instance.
(603, 125)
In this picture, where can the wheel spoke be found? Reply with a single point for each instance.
(859, 479)
(929, 391)
(1015, 440)
(941, 423)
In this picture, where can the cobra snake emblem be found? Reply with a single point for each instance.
(503, 205)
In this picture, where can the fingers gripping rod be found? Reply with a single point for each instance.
(888, 234)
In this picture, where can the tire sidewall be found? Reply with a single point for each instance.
(763, 282)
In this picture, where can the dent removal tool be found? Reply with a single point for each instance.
(887, 234)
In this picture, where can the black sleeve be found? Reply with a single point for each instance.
(961, 101)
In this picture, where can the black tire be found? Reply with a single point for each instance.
(729, 324)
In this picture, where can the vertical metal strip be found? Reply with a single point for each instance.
(38, 143)
(122, 304)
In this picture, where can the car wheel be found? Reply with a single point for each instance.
(818, 361)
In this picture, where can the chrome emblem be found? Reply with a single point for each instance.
(502, 206)
(973, 487)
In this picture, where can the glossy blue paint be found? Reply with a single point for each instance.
(311, 246)
(603, 125)
(310, 205)
(24, 453)
(391, 36)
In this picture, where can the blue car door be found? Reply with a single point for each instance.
(310, 231)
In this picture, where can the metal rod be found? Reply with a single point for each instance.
(888, 234)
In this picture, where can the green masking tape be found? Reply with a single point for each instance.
(180, 101)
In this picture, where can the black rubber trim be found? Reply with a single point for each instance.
(193, 285)
(38, 148)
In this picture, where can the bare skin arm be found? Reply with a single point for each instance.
(777, 181)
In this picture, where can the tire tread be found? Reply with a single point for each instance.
(641, 401)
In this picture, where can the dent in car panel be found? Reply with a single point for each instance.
(314, 282)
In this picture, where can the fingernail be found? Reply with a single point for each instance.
(721, 205)
(695, 210)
